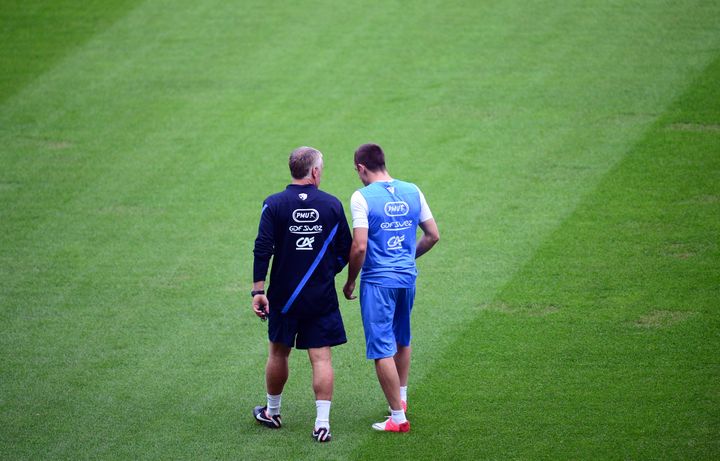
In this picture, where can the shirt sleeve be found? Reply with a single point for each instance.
(425, 212)
(264, 245)
(343, 241)
(359, 210)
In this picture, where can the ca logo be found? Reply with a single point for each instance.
(395, 242)
(304, 243)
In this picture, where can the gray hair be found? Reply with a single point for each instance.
(303, 160)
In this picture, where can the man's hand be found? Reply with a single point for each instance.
(260, 306)
(348, 290)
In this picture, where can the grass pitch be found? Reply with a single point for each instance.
(570, 154)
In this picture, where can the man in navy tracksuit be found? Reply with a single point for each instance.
(305, 231)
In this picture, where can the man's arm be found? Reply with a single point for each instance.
(431, 236)
(343, 241)
(263, 251)
(357, 258)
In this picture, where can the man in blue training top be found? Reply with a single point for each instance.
(305, 231)
(386, 214)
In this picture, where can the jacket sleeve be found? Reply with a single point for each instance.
(264, 244)
(343, 242)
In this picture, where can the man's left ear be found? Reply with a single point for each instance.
(316, 172)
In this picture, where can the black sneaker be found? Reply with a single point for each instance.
(261, 416)
(322, 434)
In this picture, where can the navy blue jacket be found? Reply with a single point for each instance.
(294, 227)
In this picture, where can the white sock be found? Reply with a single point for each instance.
(403, 393)
(273, 404)
(323, 414)
(398, 416)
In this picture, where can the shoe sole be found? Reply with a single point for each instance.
(380, 427)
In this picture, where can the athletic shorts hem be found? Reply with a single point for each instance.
(306, 347)
(326, 330)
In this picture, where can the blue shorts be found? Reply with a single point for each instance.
(386, 318)
(310, 332)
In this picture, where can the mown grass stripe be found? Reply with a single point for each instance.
(35, 36)
(605, 344)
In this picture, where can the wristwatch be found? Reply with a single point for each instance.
(257, 292)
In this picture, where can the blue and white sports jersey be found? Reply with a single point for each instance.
(391, 211)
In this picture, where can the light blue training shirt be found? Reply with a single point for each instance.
(391, 211)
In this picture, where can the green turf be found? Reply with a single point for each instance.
(36, 35)
(569, 154)
(605, 344)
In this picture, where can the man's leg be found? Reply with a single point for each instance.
(377, 306)
(387, 374)
(323, 377)
(402, 363)
(402, 332)
(321, 360)
(276, 370)
(276, 375)
(390, 383)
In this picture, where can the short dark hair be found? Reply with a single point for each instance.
(302, 160)
(372, 156)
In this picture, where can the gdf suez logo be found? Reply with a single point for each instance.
(395, 242)
(396, 225)
(397, 208)
(304, 243)
(306, 229)
(305, 215)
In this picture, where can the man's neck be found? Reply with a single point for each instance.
(378, 176)
(303, 182)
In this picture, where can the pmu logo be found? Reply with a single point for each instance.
(395, 242)
(396, 208)
(305, 215)
(304, 243)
